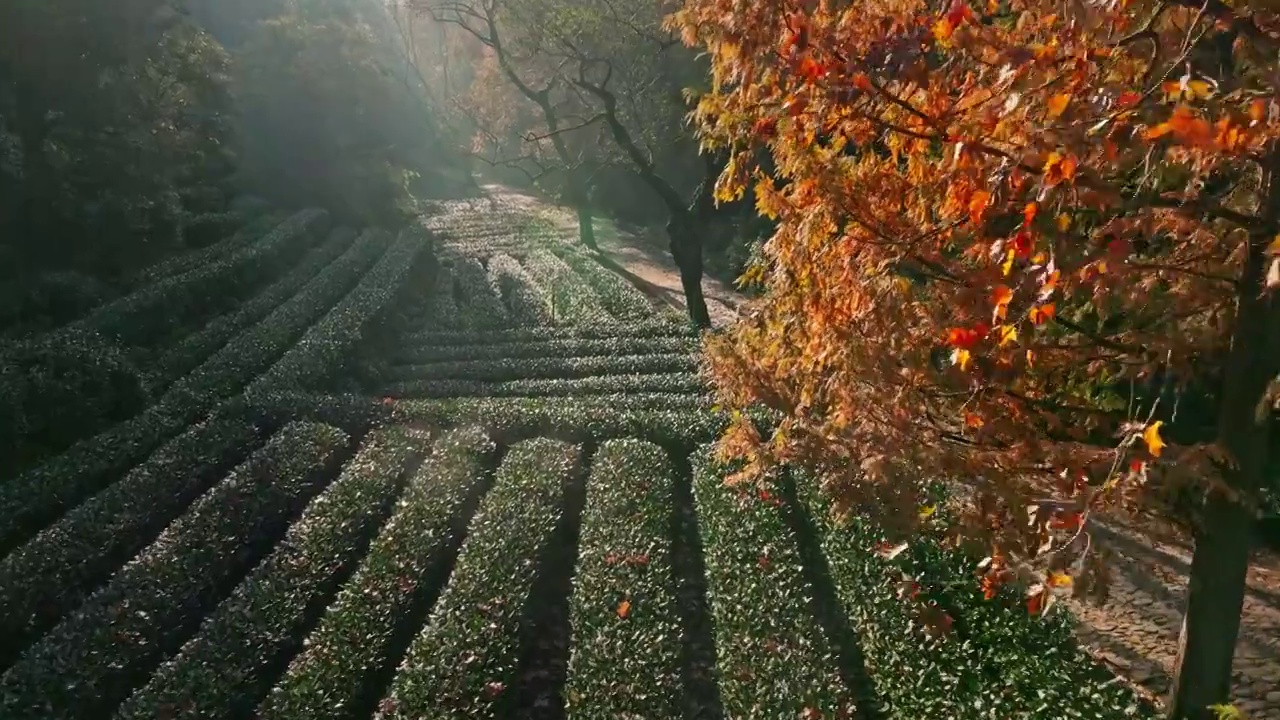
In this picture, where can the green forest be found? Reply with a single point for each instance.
(591, 359)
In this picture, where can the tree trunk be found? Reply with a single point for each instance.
(586, 227)
(1219, 564)
(686, 250)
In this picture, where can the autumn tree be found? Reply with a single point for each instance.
(605, 77)
(1024, 246)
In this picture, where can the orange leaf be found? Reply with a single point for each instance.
(961, 357)
(811, 70)
(624, 609)
(1258, 111)
(966, 337)
(1041, 314)
(1057, 104)
(978, 205)
(959, 12)
(1035, 599)
(942, 32)
(1000, 298)
(1151, 436)
(1049, 284)
(1029, 213)
(1022, 243)
(765, 127)
(1057, 579)
(973, 419)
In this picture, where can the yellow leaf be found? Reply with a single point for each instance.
(1064, 222)
(1057, 104)
(1151, 436)
(961, 357)
(927, 511)
(1007, 265)
(942, 31)
(1058, 579)
(624, 609)
(1007, 334)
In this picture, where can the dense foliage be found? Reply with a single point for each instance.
(130, 133)
(1026, 247)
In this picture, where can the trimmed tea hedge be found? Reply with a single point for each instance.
(773, 658)
(642, 329)
(138, 318)
(353, 639)
(108, 645)
(467, 655)
(320, 351)
(442, 305)
(503, 369)
(525, 302)
(573, 302)
(49, 576)
(220, 672)
(251, 232)
(480, 303)
(626, 628)
(663, 419)
(679, 383)
(195, 348)
(559, 347)
(619, 297)
(997, 663)
(41, 494)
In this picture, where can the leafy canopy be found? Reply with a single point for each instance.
(1012, 234)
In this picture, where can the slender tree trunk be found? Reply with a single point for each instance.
(581, 199)
(586, 228)
(1219, 564)
(686, 250)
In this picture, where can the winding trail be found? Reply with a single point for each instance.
(640, 257)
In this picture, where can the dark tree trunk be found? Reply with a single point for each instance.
(1219, 564)
(686, 250)
(586, 227)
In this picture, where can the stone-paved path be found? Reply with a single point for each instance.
(1136, 630)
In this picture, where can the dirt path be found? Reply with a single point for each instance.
(642, 258)
(1136, 631)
